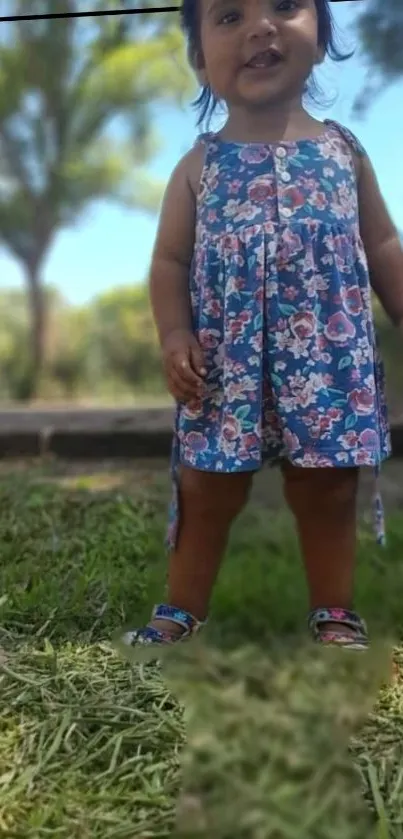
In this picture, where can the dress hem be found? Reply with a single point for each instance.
(276, 460)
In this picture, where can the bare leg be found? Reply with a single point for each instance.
(208, 505)
(324, 504)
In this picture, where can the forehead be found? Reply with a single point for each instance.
(209, 7)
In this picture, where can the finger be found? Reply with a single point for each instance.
(197, 360)
(182, 390)
(188, 384)
(183, 368)
(173, 390)
(183, 397)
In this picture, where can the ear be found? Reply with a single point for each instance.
(320, 55)
(201, 76)
(197, 63)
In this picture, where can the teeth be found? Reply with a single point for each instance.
(262, 61)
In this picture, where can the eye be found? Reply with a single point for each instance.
(287, 6)
(229, 17)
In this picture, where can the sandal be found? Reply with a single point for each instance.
(143, 643)
(318, 619)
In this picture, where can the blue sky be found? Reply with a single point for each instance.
(111, 246)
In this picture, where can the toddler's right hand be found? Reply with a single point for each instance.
(184, 366)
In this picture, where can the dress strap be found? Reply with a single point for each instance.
(348, 136)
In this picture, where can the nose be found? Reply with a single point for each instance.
(261, 25)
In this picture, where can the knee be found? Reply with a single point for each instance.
(215, 495)
(320, 490)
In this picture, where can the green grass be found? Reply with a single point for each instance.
(90, 747)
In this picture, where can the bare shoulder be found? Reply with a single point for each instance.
(176, 229)
(186, 176)
(192, 166)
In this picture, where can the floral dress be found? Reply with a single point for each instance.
(281, 304)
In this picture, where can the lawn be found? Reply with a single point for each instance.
(282, 742)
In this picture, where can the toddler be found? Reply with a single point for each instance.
(272, 232)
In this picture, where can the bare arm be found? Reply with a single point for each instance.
(173, 250)
(382, 244)
(169, 282)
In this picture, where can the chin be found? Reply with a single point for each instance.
(265, 100)
(261, 93)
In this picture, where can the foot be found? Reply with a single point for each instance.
(338, 627)
(168, 625)
(335, 628)
(167, 628)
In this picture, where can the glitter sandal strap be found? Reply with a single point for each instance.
(179, 617)
(149, 635)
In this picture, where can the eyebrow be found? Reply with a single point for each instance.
(218, 4)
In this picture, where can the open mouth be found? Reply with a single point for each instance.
(265, 60)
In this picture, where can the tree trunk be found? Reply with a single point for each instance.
(37, 308)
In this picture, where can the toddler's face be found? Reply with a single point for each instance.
(257, 52)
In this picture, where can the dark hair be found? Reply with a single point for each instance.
(206, 103)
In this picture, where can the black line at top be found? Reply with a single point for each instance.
(61, 16)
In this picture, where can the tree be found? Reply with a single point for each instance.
(15, 366)
(380, 27)
(67, 350)
(76, 101)
(124, 340)
(107, 347)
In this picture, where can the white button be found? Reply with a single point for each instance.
(286, 212)
(286, 177)
(280, 152)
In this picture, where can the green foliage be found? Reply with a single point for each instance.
(105, 350)
(76, 110)
(62, 86)
(123, 333)
(14, 356)
(380, 28)
(69, 347)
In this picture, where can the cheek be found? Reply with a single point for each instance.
(220, 72)
(220, 61)
(303, 41)
(305, 55)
